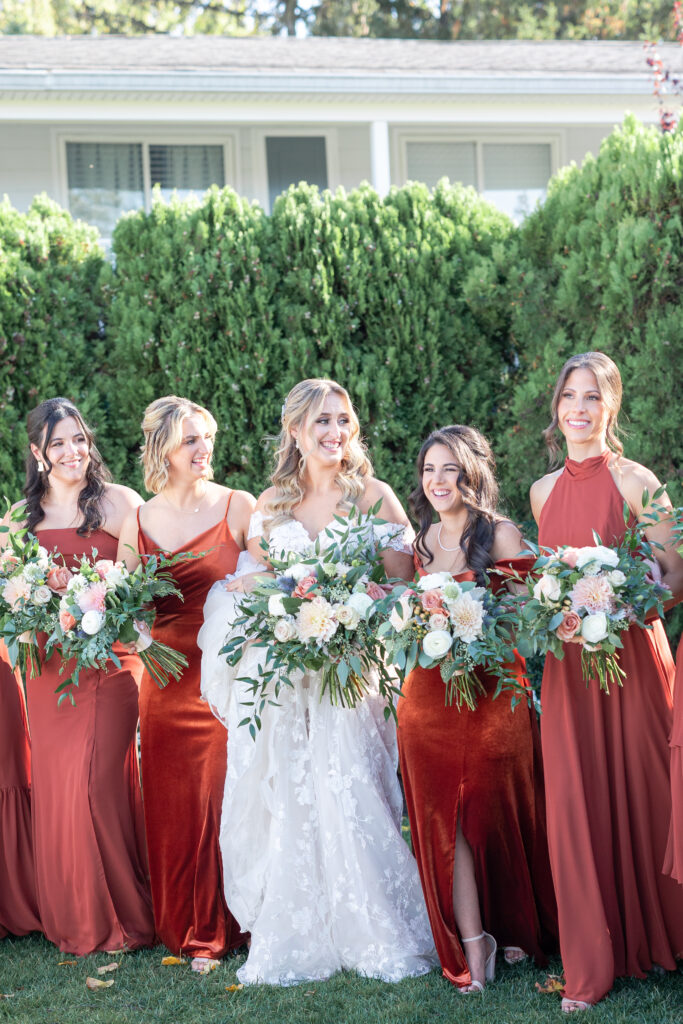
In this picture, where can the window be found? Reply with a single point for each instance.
(105, 179)
(512, 175)
(291, 159)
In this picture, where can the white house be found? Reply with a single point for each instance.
(96, 121)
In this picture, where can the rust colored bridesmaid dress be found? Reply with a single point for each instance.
(482, 768)
(606, 761)
(184, 765)
(18, 907)
(673, 862)
(88, 829)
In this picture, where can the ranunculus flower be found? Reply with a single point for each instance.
(58, 577)
(432, 601)
(275, 605)
(594, 628)
(594, 593)
(66, 619)
(15, 591)
(103, 566)
(433, 580)
(284, 630)
(93, 598)
(316, 621)
(547, 589)
(360, 603)
(305, 584)
(41, 596)
(599, 553)
(569, 627)
(402, 612)
(570, 557)
(92, 622)
(436, 644)
(438, 620)
(467, 618)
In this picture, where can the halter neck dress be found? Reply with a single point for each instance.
(483, 769)
(91, 869)
(606, 764)
(184, 763)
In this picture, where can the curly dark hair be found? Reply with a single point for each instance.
(478, 487)
(40, 425)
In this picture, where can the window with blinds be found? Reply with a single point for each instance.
(291, 159)
(431, 161)
(185, 170)
(104, 180)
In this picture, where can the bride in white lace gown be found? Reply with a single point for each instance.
(314, 862)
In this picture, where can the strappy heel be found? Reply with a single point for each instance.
(489, 967)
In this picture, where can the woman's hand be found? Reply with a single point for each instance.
(144, 638)
(245, 584)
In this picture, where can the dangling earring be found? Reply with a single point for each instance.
(39, 466)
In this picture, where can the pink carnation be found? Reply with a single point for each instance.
(594, 593)
(103, 566)
(303, 586)
(93, 599)
(570, 557)
(432, 601)
(569, 627)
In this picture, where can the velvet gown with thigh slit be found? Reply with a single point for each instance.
(184, 765)
(18, 906)
(91, 870)
(483, 769)
(673, 861)
(606, 760)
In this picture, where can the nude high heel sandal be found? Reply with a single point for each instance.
(489, 969)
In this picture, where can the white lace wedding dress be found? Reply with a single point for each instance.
(314, 863)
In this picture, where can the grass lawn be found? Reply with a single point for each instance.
(36, 990)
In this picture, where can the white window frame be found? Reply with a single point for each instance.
(227, 140)
(258, 148)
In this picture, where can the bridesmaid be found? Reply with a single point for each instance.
(473, 779)
(606, 756)
(18, 907)
(87, 809)
(183, 746)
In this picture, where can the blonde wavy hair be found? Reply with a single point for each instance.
(162, 425)
(608, 379)
(303, 403)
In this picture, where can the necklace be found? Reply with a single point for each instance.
(186, 511)
(438, 541)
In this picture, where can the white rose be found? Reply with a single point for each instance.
(43, 557)
(401, 613)
(92, 622)
(434, 580)
(360, 603)
(599, 553)
(298, 571)
(41, 596)
(616, 577)
(438, 621)
(436, 644)
(275, 605)
(547, 589)
(594, 628)
(284, 630)
(346, 615)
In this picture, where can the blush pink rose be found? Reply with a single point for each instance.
(93, 598)
(570, 557)
(66, 620)
(304, 586)
(374, 591)
(432, 601)
(58, 578)
(103, 566)
(569, 627)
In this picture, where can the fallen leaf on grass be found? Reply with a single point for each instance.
(67, 963)
(107, 968)
(553, 983)
(95, 983)
(6, 995)
(116, 952)
(172, 961)
(207, 968)
(311, 992)
(234, 988)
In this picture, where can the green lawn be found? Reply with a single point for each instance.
(36, 990)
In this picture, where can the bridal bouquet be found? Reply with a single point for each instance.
(27, 603)
(589, 595)
(319, 613)
(104, 604)
(458, 626)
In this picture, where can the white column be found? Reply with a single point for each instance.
(379, 156)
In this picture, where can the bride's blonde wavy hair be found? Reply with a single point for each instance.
(303, 403)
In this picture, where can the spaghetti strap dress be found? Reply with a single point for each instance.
(483, 769)
(673, 861)
(88, 832)
(606, 760)
(18, 906)
(184, 764)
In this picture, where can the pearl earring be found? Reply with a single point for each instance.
(39, 466)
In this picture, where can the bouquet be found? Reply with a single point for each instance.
(28, 605)
(319, 612)
(589, 595)
(458, 626)
(104, 604)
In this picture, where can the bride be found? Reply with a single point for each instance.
(314, 862)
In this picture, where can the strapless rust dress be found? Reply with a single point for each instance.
(88, 832)
(482, 768)
(606, 760)
(184, 765)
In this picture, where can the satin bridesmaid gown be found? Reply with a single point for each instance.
(606, 761)
(673, 861)
(18, 905)
(88, 829)
(482, 768)
(184, 765)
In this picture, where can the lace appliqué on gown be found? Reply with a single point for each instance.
(314, 863)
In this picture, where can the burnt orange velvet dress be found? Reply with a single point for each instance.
(184, 765)
(88, 829)
(482, 768)
(18, 906)
(673, 861)
(606, 761)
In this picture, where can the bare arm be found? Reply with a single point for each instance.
(128, 550)
(396, 563)
(632, 482)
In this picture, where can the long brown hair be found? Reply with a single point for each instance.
(608, 379)
(40, 425)
(477, 484)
